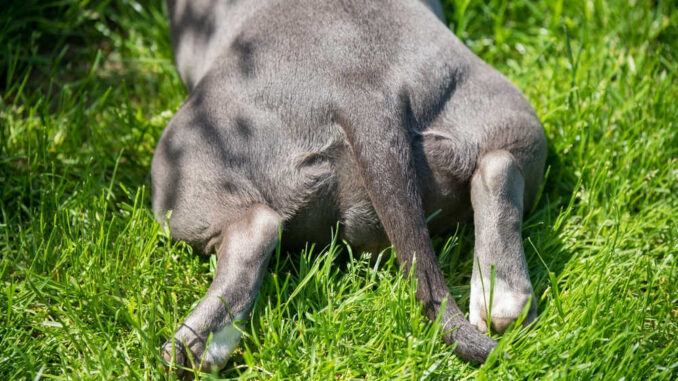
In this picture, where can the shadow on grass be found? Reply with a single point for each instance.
(71, 101)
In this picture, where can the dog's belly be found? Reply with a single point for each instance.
(314, 184)
(342, 204)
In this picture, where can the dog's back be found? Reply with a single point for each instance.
(201, 30)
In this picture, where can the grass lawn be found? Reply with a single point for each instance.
(91, 286)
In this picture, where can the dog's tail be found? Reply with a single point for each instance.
(378, 135)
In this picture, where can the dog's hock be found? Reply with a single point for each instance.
(497, 196)
(209, 334)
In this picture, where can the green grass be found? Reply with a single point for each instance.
(91, 286)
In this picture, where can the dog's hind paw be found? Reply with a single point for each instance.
(506, 307)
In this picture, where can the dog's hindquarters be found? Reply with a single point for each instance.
(265, 105)
(378, 134)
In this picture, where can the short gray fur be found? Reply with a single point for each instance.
(303, 113)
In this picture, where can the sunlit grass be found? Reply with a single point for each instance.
(91, 286)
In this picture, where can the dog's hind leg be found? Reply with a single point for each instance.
(497, 191)
(244, 247)
(379, 140)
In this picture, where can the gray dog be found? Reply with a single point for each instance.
(303, 113)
